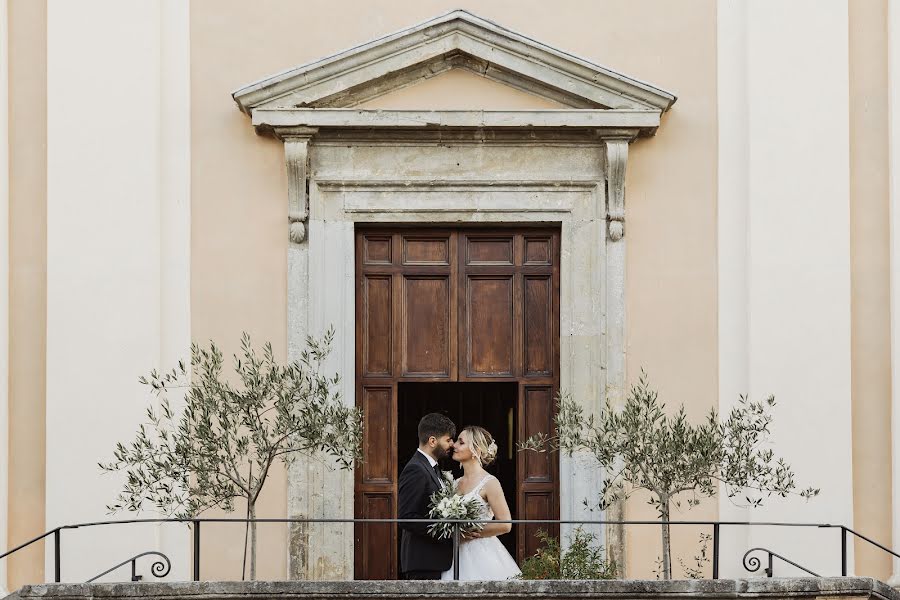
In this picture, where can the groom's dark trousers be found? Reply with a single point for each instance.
(421, 555)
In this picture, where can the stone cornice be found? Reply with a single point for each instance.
(622, 122)
(456, 184)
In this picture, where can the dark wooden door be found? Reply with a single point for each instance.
(441, 305)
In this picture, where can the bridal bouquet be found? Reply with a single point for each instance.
(447, 505)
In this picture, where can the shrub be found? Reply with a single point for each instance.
(583, 559)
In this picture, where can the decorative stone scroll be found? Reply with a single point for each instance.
(296, 160)
(616, 158)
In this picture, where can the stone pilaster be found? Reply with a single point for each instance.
(616, 159)
(308, 495)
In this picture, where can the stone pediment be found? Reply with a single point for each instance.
(456, 40)
(459, 89)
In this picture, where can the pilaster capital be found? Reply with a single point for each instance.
(295, 134)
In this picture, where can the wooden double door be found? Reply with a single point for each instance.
(469, 307)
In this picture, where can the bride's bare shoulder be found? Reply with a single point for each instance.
(491, 483)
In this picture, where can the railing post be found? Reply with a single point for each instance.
(196, 550)
(57, 568)
(715, 556)
(843, 551)
(456, 552)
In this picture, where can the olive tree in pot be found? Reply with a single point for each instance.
(641, 447)
(221, 445)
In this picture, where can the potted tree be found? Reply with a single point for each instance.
(221, 445)
(642, 447)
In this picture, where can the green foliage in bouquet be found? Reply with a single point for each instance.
(583, 559)
(447, 506)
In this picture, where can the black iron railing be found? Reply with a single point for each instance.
(752, 563)
(195, 525)
(159, 568)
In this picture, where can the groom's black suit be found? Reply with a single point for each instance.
(421, 555)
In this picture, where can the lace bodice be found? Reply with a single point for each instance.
(486, 512)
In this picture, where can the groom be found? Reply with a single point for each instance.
(421, 555)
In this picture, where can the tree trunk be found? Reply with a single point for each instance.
(252, 541)
(666, 539)
(246, 538)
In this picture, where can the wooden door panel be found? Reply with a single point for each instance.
(377, 403)
(375, 543)
(489, 331)
(538, 250)
(376, 249)
(536, 505)
(426, 251)
(537, 417)
(377, 300)
(375, 477)
(489, 250)
(538, 471)
(538, 325)
(426, 326)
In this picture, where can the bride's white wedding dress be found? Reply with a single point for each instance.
(483, 559)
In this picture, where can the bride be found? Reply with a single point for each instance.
(481, 555)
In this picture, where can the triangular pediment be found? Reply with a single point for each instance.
(456, 40)
(459, 89)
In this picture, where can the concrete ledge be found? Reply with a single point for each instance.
(837, 587)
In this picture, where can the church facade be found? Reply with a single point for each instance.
(490, 204)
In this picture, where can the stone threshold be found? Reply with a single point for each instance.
(833, 587)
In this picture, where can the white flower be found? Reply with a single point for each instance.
(447, 505)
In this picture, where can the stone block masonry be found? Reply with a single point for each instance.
(855, 588)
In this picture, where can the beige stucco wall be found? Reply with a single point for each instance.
(27, 284)
(239, 189)
(238, 240)
(238, 247)
(117, 245)
(238, 237)
(870, 281)
(784, 251)
(671, 275)
(63, 182)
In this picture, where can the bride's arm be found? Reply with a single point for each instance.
(493, 493)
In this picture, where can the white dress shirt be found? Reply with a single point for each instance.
(431, 461)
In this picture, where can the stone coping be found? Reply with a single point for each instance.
(844, 587)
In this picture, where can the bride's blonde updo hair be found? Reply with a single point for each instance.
(482, 443)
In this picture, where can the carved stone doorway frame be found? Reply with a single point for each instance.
(348, 166)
